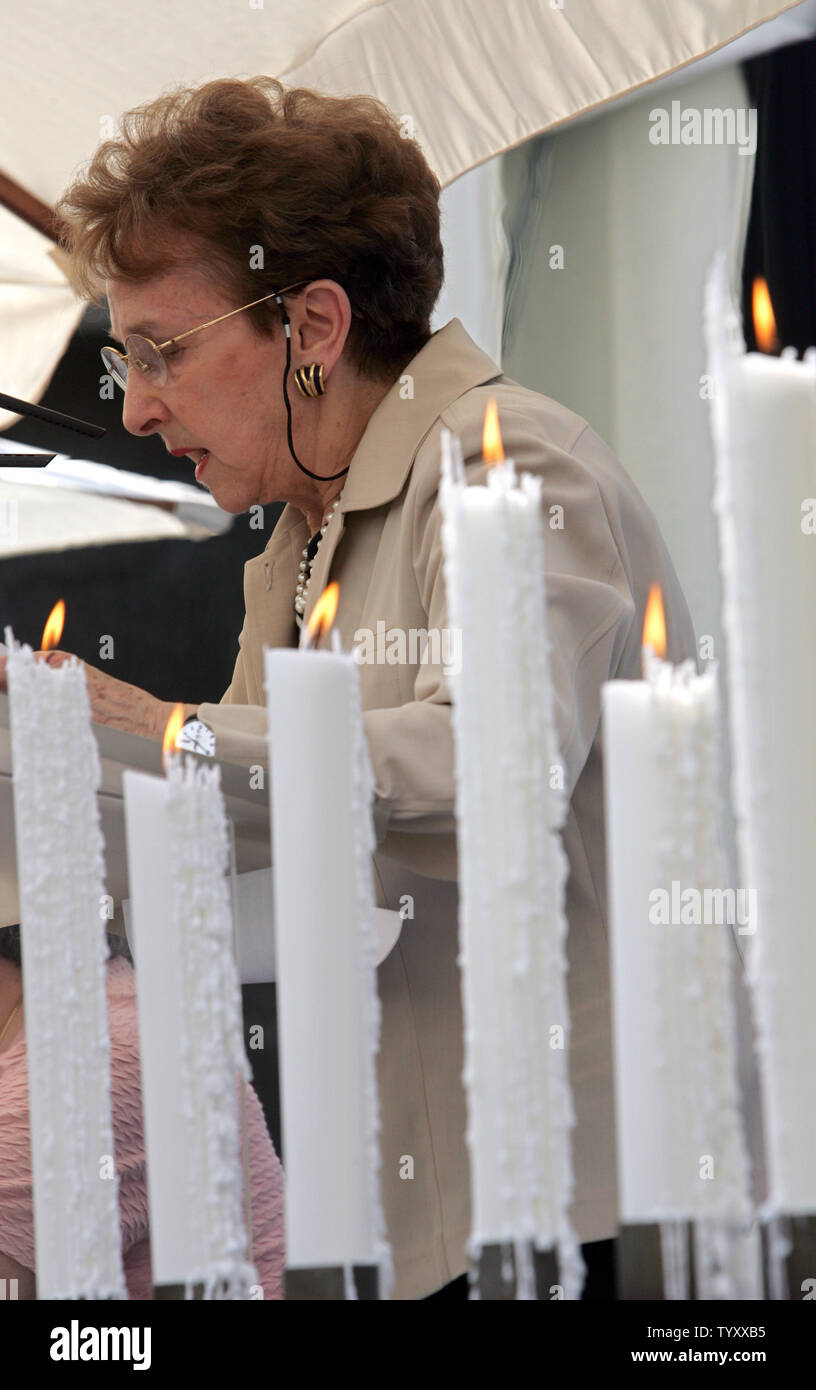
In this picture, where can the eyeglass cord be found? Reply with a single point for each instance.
(287, 328)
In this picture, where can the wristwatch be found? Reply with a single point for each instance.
(196, 737)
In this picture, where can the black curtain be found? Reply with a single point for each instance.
(781, 240)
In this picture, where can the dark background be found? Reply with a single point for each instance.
(781, 240)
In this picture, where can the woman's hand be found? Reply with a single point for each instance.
(113, 702)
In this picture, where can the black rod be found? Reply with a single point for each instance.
(51, 417)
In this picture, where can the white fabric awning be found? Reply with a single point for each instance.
(475, 77)
(38, 312)
(478, 78)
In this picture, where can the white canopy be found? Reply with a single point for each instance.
(475, 77)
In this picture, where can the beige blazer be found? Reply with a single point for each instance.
(383, 546)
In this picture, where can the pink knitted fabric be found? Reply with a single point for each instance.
(16, 1215)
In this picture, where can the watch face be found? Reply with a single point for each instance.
(195, 737)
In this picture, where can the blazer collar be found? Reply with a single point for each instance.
(447, 366)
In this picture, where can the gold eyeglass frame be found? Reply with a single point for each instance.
(159, 347)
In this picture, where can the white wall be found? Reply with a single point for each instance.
(617, 333)
(475, 255)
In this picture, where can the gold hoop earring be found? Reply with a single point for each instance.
(309, 380)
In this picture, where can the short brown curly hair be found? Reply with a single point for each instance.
(329, 187)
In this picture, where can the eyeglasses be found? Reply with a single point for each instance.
(149, 356)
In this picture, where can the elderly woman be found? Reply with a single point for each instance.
(271, 260)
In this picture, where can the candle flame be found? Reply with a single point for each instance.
(492, 447)
(52, 631)
(764, 321)
(654, 623)
(172, 730)
(322, 615)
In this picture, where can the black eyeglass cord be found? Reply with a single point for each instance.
(287, 328)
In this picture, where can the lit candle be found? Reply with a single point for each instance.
(326, 951)
(764, 421)
(510, 805)
(194, 1067)
(680, 1143)
(60, 866)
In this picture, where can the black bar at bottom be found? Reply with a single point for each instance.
(327, 1282)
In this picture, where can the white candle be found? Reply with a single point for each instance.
(193, 1061)
(512, 868)
(60, 867)
(328, 1006)
(764, 419)
(680, 1142)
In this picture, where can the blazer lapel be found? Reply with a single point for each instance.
(270, 580)
(447, 366)
(321, 568)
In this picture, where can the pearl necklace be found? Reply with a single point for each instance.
(305, 566)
